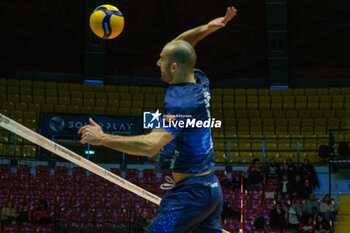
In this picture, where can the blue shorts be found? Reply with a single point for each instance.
(193, 205)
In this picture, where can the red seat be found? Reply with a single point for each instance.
(61, 170)
(257, 231)
(220, 173)
(44, 229)
(27, 229)
(23, 169)
(116, 171)
(237, 173)
(149, 173)
(272, 230)
(131, 173)
(10, 228)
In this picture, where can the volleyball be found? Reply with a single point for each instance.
(107, 21)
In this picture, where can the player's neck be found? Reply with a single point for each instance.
(185, 77)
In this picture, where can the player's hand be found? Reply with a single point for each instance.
(221, 22)
(91, 133)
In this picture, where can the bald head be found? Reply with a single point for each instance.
(182, 53)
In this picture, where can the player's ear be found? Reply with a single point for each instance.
(173, 67)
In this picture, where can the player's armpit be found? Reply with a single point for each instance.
(158, 138)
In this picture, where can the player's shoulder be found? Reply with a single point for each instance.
(181, 94)
(201, 78)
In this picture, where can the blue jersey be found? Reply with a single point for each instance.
(191, 151)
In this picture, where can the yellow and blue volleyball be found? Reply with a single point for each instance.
(107, 22)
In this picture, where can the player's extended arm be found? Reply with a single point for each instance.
(193, 36)
(142, 145)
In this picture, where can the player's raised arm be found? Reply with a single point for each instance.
(193, 36)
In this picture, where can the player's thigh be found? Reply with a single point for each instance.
(183, 212)
(212, 223)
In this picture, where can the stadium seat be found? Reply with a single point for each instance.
(276, 102)
(240, 92)
(263, 92)
(25, 83)
(28, 99)
(322, 91)
(38, 84)
(218, 91)
(345, 91)
(25, 91)
(38, 99)
(111, 111)
(51, 100)
(227, 99)
(294, 127)
(278, 114)
(252, 92)
(316, 114)
(291, 114)
(64, 100)
(338, 102)
(300, 102)
(275, 92)
(218, 132)
(51, 93)
(266, 114)
(302, 114)
(47, 108)
(88, 95)
(325, 102)
(270, 145)
(234, 157)
(14, 98)
(86, 109)
(98, 89)
(10, 228)
(86, 102)
(44, 229)
(124, 111)
(256, 127)
(287, 92)
(60, 108)
(98, 110)
(244, 145)
(252, 102)
(281, 127)
(241, 114)
(307, 127)
(159, 90)
(219, 156)
(320, 128)
(75, 109)
(268, 127)
(214, 99)
(245, 157)
(264, 102)
(111, 88)
(288, 102)
(228, 106)
(243, 127)
(76, 94)
(240, 102)
(310, 91)
(13, 90)
(254, 114)
(334, 91)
